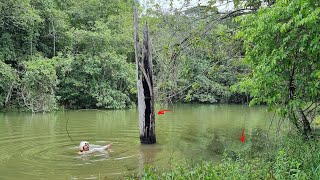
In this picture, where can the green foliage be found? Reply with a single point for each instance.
(77, 53)
(8, 78)
(291, 159)
(197, 64)
(282, 48)
(103, 81)
(52, 30)
(38, 85)
(93, 46)
(206, 87)
(19, 22)
(194, 61)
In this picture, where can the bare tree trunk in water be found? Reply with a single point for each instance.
(144, 86)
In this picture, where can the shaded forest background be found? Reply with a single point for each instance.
(80, 54)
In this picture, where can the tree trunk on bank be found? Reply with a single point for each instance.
(144, 85)
(306, 125)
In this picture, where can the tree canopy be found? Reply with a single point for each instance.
(72, 53)
(283, 50)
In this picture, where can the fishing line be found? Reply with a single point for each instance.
(68, 121)
(68, 131)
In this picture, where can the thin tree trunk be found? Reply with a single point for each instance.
(54, 39)
(31, 46)
(306, 124)
(144, 86)
(8, 95)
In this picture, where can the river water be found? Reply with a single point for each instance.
(37, 146)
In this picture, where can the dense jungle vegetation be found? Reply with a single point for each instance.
(79, 54)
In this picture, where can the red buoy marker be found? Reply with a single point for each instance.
(163, 111)
(242, 136)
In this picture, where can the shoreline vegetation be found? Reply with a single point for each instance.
(287, 158)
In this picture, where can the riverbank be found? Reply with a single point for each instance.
(288, 158)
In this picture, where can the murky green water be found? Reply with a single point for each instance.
(38, 147)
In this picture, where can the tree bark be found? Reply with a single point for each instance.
(306, 125)
(144, 86)
(8, 95)
(54, 39)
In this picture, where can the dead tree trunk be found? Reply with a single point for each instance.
(144, 85)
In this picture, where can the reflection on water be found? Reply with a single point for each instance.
(216, 145)
(38, 147)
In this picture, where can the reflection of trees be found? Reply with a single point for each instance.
(110, 121)
(259, 140)
(215, 145)
(37, 124)
(190, 134)
(8, 124)
(147, 155)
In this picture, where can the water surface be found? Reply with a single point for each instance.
(37, 146)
